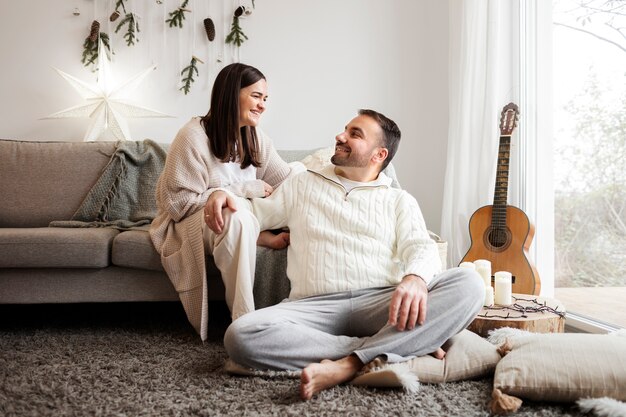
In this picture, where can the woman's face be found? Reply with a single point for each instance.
(252, 103)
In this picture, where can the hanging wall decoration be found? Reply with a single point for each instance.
(116, 13)
(129, 23)
(188, 72)
(236, 35)
(90, 46)
(106, 104)
(209, 28)
(130, 19)
(133, 27)
(178, 15)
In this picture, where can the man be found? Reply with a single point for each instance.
(362, 267)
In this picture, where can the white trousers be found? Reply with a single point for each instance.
(234, 253)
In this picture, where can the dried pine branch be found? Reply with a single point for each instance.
(133, 27)
(90, 46)
(236, 35)
(178, 15)
(188, 73)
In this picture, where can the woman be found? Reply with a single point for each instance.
(220, 150)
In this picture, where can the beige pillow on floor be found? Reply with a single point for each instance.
(467, 356)
(564, 367)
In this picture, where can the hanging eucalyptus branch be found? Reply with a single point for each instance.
(236, 35)
(178, 15)
(188, 72)
(90, 46)
(133, 26)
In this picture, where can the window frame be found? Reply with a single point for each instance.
(533, 183)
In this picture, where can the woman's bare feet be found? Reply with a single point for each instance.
(320, 376)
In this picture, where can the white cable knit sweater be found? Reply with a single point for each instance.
(372, 236)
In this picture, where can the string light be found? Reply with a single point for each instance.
(523, 310)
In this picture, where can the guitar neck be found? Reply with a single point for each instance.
(498, 217)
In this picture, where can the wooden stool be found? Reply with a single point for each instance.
(538, 317)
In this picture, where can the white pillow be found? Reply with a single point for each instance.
(318, 159)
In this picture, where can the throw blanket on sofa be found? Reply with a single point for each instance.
(123, 196)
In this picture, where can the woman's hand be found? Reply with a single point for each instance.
(213, 210)
(268, 189)
(270, 240)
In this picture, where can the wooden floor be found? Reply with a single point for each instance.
(607, 304)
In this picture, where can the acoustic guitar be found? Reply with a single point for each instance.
(502, 233)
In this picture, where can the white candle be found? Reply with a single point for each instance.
(488, 296)
(484, 274)
(483, 267)
(483, 262)
(468, 265)
(503, 288)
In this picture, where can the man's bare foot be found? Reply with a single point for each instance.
(439, 353)
(320, 376)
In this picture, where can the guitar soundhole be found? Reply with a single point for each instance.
(497, 239)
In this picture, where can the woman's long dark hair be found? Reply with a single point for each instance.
(227, 141)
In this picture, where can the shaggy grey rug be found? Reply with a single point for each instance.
(143, 359)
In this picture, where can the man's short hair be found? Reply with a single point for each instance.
(391, 133)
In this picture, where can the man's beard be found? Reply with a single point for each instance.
(350, 161)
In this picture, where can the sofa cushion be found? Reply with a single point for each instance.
(134, 249)
(52, 247)
(46, 181)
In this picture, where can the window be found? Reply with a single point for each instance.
(573, 87)
(589, 56)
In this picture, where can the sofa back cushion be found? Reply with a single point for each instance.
(45, 181)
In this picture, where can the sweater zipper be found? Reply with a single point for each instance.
(346, 192)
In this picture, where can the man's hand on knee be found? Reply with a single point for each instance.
(213, 210)
(408, 303)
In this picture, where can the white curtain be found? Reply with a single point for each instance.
(475, 96)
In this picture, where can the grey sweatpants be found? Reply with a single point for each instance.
(293, 334)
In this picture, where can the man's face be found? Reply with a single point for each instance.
(358, 143)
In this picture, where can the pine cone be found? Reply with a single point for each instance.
(114, 16)
(209, 27)
(239, 11)
(95, 30)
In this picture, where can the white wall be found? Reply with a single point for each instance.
(323, 60)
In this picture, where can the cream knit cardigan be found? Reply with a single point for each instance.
(191, 173)
(369, 237)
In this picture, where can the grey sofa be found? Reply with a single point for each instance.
(42, 182)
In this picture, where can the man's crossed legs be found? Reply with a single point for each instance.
(332, 336)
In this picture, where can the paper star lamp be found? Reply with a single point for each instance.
(106, 103)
